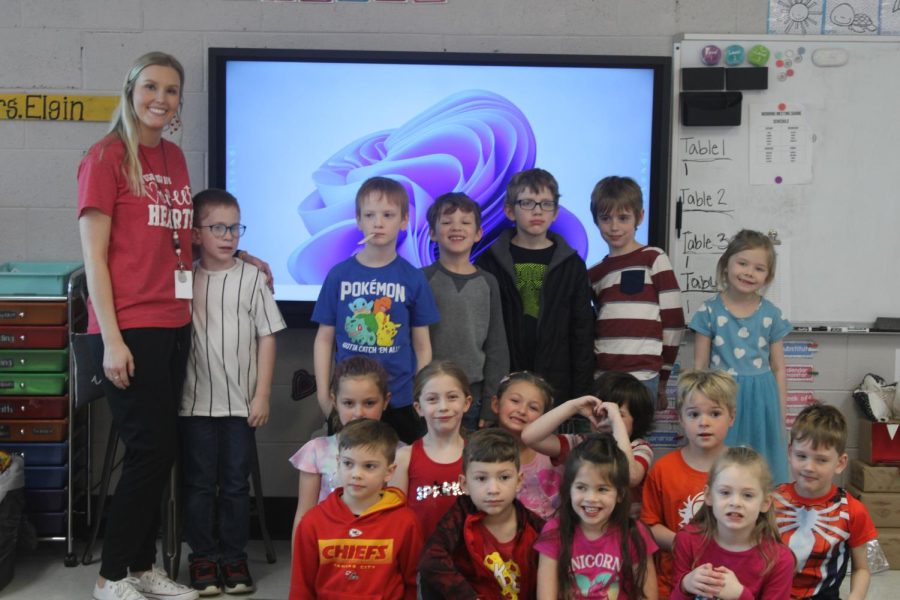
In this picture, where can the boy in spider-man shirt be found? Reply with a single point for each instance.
(819, 521)
(484, 546)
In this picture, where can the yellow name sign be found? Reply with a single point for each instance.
(56, 107)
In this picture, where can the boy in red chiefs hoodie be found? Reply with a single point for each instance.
(482, 547)
(362, 541)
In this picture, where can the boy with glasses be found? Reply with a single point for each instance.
(225, 396)
(544, 289)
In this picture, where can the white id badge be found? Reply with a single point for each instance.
(184, 284)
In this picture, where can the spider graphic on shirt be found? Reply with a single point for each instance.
(806, 523)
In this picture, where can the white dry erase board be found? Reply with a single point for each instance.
(816, 158)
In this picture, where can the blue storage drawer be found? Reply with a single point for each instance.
(40, 454)
(49, 524)
(37, 501)
(45, 477)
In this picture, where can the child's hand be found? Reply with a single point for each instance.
(587, 407)
(731, 588)
(259, 411)
(704, 581)
(608, 414)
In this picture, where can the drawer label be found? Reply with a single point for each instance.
(4, 432)
(10, 314)
(6, 363)
(7, 338)
(42, 430)
(5, 385)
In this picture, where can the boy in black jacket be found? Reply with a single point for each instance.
(544, 289)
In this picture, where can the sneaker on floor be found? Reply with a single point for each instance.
(123, 589)
(205, 577)
(156, 585)
(236, 577)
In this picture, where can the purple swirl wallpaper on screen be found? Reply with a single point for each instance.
(471, 141)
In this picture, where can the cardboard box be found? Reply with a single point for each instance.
(884, 507)
(889, 540)
(879, 443)
(869, 478)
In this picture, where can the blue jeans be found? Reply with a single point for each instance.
(215, 454)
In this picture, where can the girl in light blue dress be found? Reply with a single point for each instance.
(741, 332)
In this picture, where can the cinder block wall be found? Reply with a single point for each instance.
(85, 46)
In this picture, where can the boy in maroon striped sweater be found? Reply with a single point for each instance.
(640, 320)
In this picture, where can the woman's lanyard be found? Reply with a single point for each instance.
(184, 287)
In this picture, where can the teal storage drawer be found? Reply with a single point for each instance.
(35, 278)
(34, 361)
(33, 384)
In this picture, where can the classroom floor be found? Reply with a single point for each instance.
(42, 575)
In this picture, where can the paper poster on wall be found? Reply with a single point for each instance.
(780, 145)
(800, 348)
(847, 17)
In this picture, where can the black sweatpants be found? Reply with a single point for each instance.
(145, 415)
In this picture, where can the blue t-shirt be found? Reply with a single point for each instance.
(372, 311)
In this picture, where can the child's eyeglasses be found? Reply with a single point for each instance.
(218, 230)
(529, 204)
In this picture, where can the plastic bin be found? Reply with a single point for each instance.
(34, 336)
(40, 454)
(33, 384)
(34, 431)
(34, 361)
(34, 407)
(48, 524)
(45, 477)
(46, 500)
(35, 278)
(33, 313)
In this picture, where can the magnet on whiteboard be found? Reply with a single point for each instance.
(830, 57)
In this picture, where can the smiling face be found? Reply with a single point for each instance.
(814, 467)
(359, 398)
(216, 253)
(594, 497)
(364, 470)
(155, 99)
(381, 218)
(520, 404)
(618, 229)
(492, 486)
(456, 232)
(737, 499)
(748, 270)
(705, 422)
(442, 403)
(532, 224)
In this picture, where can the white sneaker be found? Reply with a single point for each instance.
(123, 589)
(156, 585)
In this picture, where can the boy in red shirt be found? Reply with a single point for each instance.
(821, 523)
(673, 490)
(483, 547)
(361, 541)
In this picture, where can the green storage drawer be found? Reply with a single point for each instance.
(34, 361)
(35, 278)
(33, 384)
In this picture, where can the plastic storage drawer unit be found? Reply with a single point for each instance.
(34, 431)
(36, 336)
(34, 407)
(35, 278)
(33, 384)
(38, 454)
(33, 313)
(34, 361)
